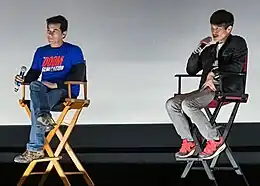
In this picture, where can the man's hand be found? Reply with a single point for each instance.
(18, 79)
(50, 85)
(207, 41)
(210, 82)
(204, 43)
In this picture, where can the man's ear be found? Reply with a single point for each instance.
(64, 34)
(229, 28)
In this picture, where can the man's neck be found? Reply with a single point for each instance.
(57, 45)
(224, 40)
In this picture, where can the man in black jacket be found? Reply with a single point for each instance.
(223, 53)
(57, 62)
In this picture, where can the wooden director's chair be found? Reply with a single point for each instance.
(53, 157)
(220, 100)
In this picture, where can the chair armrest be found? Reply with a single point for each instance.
(186, 75)
(180, 76)
(69, 83)
(223, 74)
(75, 82)
(84, 83)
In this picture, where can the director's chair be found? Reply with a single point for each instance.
(220, 100)
(53, 157)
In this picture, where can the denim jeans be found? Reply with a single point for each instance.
(42, 101)
(191, 104)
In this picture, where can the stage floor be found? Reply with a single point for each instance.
(132, 174)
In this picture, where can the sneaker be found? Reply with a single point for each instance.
(187, 149)
(212, 149)
(28, 156)
(47, 121)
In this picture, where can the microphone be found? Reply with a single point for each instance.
(21, 75)
(202, 44)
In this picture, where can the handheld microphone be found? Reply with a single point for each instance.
(21, 75)
(203, 44)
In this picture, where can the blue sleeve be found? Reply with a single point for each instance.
(36, 63)
(77, 56)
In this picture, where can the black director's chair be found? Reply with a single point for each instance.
(220, 100)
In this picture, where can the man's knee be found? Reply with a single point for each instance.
(173, 103)
(188, 106)
(36, 86)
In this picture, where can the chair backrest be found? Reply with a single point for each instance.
(214, 103)
(83, 67)
(83, 78)
(245, 71)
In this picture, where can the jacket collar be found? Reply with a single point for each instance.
(228, 40)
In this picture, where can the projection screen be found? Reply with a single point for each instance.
(133, 49)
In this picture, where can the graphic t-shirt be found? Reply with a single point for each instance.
(56, 63)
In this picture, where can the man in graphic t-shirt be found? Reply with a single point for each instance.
(57, 62)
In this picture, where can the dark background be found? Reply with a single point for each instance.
(147, 143)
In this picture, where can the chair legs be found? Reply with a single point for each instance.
(209, 165)
(54, 157)
(63, 143)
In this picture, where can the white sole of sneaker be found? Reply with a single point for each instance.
(220, 149)
(188, 155)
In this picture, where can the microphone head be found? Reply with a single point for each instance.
(23, 68)
(206, 40)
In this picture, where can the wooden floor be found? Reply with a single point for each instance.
(132, 174)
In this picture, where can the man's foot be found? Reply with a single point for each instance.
(47, 121)
(28, 156)
(188, 148)
(212, 149)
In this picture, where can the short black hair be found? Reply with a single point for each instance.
(58, 19)
(222, 18)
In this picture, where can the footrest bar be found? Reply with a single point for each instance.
(48, 159)
(190, 159)
(73, 173)
(225, 168)
(37, 173)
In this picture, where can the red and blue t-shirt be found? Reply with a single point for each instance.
(55, 63)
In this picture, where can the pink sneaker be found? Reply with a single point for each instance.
(187, 149)
(212, 149)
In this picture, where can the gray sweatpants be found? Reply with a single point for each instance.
(191, 104)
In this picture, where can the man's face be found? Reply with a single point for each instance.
(220, 33)
(54, 34)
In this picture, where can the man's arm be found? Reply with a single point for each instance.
(35, 70)
(78, 70)
(240, 54)
(194, 64)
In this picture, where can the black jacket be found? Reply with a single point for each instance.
(232, 57)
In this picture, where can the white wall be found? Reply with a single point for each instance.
(133, 48)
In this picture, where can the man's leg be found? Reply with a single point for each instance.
(40, 99)
(192, 106)
(36, 142)
(181, 125)
(37, 133)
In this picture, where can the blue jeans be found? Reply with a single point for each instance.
(42, 101)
